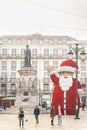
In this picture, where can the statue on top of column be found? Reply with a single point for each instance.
(27, 61)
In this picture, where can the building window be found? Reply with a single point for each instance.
(55, 52)
(13, 52)
(46, 52)
(64, 52)
(83, 77)
(34, 52)
(84, 87)
(55, 41)
(13, 75)
(34, 64)
(46, 64)
(83, 66)
(22, 52)
(13, 65)
(22, 64)
(4, 65)
(14, 41)
(4, 75)
(35, 41)
(46, 75)
(4, 52)
(24, 41)
(46, 88)
(46, 78)
(5, 40)
(4, 89)
(13, 89)
(46, 40)
(55, 64)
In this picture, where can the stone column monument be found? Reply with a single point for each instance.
(27, 94)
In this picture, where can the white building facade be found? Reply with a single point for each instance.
(45, 51)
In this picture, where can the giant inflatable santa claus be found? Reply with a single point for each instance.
(64, 92)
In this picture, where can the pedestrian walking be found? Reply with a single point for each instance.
(36, 113)
(52, 114)
(60, 112)
(21, 117)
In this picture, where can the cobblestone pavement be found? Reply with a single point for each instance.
(10, 122)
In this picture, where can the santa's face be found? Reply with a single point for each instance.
(65, 80)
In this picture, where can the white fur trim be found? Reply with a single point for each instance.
(52, 72)
(66, 69)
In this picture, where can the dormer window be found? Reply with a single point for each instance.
(5, 40)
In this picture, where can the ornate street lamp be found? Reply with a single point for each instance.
(83, 54)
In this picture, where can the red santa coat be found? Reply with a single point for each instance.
(58, 96)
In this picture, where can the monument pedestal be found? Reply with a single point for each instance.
(27, 94)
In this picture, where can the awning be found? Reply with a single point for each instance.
(9, 98)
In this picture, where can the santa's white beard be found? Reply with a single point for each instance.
(65, 83)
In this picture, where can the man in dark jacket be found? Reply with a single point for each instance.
(36, 113)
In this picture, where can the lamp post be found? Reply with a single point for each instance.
(83, 54)
(39, 92)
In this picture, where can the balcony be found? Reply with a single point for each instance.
(46, 91)
(37, 56)
(3, 80)
(12, 80)
(42, 56)
(6, 80)
(9, 56)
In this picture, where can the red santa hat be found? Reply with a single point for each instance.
(68, 66)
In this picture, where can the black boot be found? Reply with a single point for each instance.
(52, 122)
